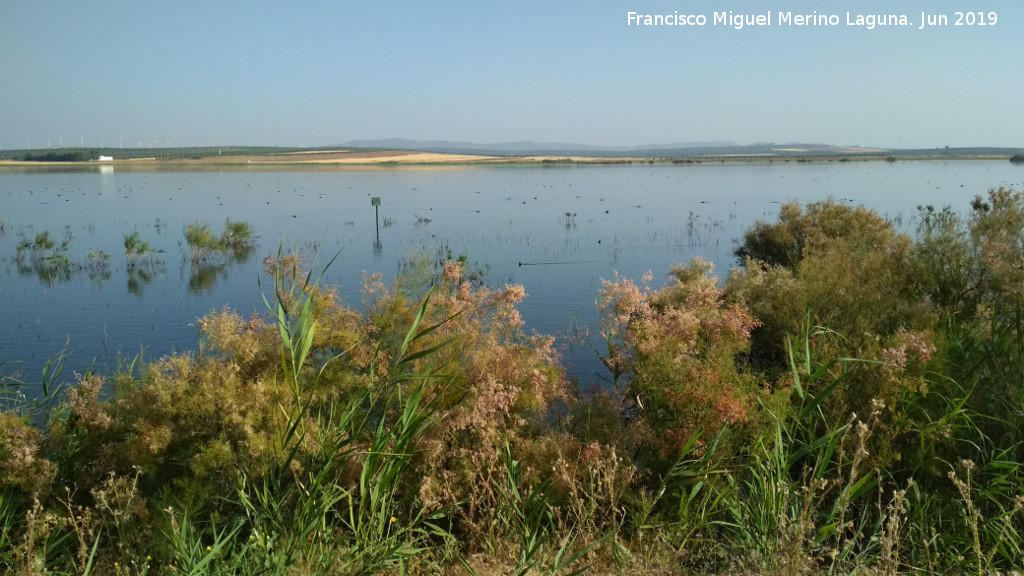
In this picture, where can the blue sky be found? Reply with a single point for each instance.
(316, 72)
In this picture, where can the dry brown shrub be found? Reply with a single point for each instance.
(246, 343)
(84, 402)
(593, 479)
(183, 419)
(21, 462)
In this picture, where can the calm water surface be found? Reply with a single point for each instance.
(510, 219)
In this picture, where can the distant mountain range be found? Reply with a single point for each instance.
(672, 150)
(523, 147)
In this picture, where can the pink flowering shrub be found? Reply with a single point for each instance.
(673, 352)
(495, 383)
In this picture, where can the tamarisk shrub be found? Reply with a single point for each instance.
(677, 349)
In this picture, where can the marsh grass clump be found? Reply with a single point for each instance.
(42, 247)
(135, 246)
(202, 242)
(97, 264)
(236, 241)
(98, 257)
(237, 234)
(45, 257)
(139, 258)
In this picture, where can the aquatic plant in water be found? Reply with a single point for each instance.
(237, 237)
(98, 264)
(201, 241)
(237, 234)
(136, 250)
(43, 256)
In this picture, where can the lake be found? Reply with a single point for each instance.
(555, 229)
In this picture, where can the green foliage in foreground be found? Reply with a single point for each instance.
(849, 400)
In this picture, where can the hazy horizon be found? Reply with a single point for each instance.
(312, 74)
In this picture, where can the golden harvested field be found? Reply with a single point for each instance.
(364, 157)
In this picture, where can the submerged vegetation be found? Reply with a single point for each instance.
(47, 259)
(235, 241)
(210, 254)
(44, 255)
(848, 400)
(50, 261)
(141, 262)
(207, 254)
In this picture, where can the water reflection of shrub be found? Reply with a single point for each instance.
(204, 274)
(138, 278)
(48, 271)
(240, 253)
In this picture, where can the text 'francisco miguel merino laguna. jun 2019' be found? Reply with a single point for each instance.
(769, 18)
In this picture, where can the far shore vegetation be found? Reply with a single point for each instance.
(848, 400)
(255, 156)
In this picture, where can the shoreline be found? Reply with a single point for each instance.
(411, 159)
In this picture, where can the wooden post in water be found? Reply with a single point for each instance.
(375, 200)
(378, 248)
